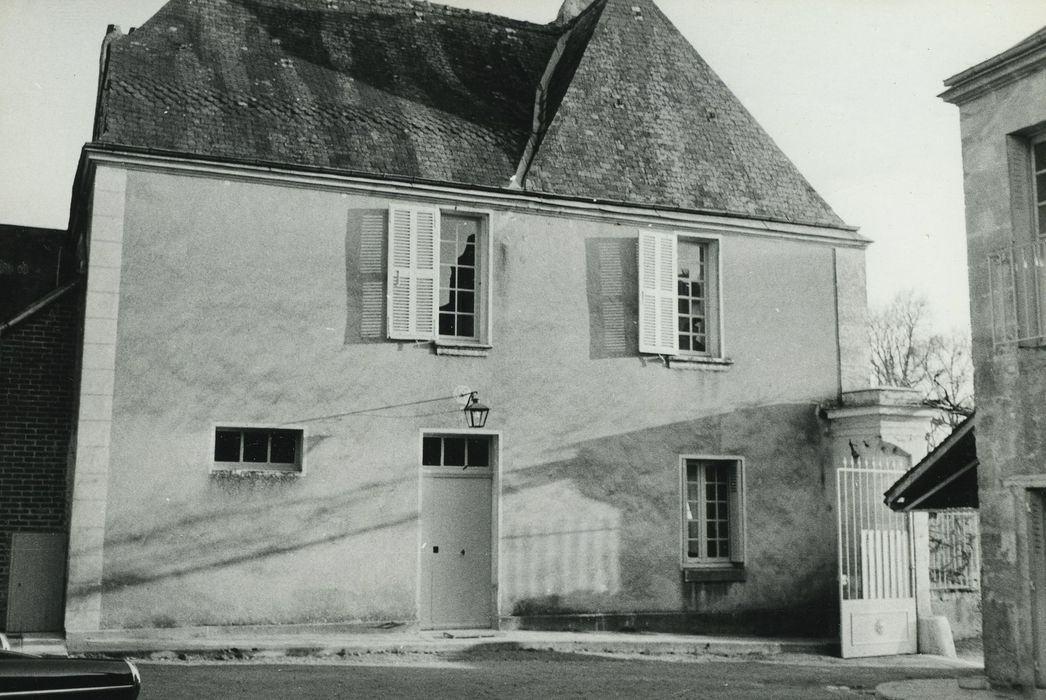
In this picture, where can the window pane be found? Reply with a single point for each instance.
(691, 471)
(466, 302)
(284, 448)
(255, 446)
(479, 452)
(468, 257)
(466, 326)
(693, 549)
(454, 452)
(684, 342)
(1040, 155)
(227, 446)
(466, 278)
(1042, 218)
(693, 529)
(448, 299)
(446, 324)
(431, 447)
(1040, 187)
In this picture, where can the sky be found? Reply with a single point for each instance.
(847, 88)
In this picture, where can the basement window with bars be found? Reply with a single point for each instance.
(257, 449)
(713, 515)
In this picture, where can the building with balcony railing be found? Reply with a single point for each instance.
(1002, 107)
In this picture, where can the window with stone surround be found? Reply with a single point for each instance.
(438, 276)
(713, 512)
(257, 449)
(679, 295)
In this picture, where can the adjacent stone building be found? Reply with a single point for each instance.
(1002, 107)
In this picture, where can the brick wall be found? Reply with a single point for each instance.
(37, 397)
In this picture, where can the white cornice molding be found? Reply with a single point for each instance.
(514, 200)
(994, 73)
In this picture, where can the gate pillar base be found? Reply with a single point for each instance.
(935, 636)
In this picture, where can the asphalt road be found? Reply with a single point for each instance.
(543, 675)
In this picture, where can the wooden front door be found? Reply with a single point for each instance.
(456, 574)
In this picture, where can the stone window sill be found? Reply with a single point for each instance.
(713, 574)
(222, 473)
(462, 349)
(698, 362)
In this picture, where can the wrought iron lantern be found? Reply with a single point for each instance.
(475, 412)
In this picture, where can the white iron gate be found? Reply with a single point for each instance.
(876, 586)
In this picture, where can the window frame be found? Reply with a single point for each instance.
(484, 281)
(1038, 226)
(715, 353)
(281, 468)
(714, 308)
(415, 327)
(736, 559)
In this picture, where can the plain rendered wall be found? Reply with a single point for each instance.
(239, 305)
(1010, 382)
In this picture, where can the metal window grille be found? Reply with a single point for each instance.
(955, 550)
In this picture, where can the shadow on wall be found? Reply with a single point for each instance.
(601, 531)
(268, 521)
(612, 283)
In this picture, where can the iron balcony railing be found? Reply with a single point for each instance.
(1017, 289)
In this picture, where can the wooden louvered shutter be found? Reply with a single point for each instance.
(736, 511)
(657, 293)
(1037, 547)
(413, 264)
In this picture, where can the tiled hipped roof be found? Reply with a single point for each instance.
(404, 88)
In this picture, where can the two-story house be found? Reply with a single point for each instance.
(317, 231)
(1002, 109)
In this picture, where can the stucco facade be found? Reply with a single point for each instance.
(1002, 107)
(223, 295)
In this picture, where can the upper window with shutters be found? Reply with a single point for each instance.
(438, 277)
(679, 309)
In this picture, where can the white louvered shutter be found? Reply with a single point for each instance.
(413, 264)
(735, 509)
(657, 293)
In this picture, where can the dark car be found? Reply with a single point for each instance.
(29, 676)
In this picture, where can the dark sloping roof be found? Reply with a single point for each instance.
(945, 478)
(646, 120)
(383, 86)
(626, 109)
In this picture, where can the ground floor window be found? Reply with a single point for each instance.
(713, 511)
(275, 449)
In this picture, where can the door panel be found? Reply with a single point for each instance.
(36, 600)
(456, 552)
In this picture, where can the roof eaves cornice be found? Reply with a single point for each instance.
(1009, 66)
(501, 196)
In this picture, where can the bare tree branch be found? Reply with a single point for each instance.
(905, 353)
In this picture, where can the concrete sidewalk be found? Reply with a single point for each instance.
(264, 642)
(971, 688)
